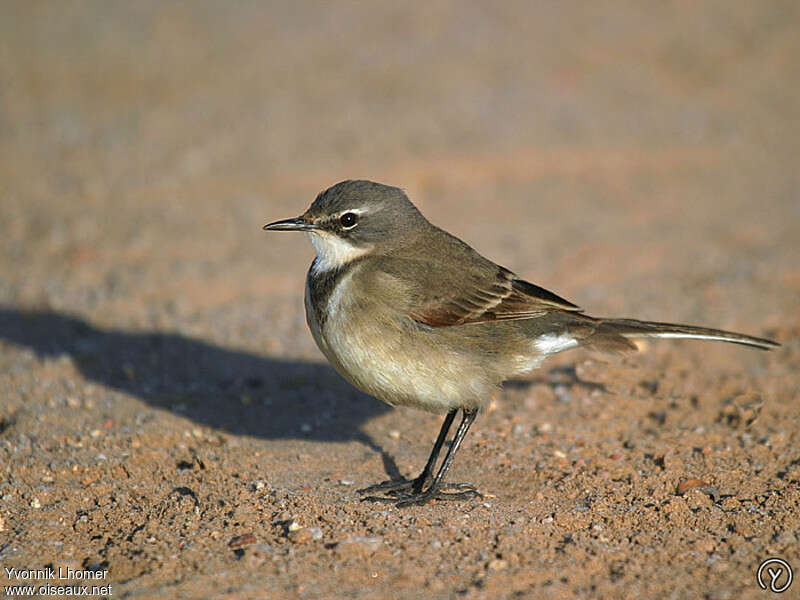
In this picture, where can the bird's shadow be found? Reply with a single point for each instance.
(232, 390)
(559, 377)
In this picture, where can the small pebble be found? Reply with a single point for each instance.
(691, 484)
(688, 484)
(294, 526)
(316, 533)
(498, 564)
(346, 481)
(394, 434)
(35, 503)
(240, 541)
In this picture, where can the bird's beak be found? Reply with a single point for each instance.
(297, 224)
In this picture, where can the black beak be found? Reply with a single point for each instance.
(297, 224)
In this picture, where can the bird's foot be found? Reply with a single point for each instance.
(402, 496)
(394, 488)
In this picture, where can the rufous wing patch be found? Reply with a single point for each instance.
(505, 297)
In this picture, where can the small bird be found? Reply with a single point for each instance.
(410, 314)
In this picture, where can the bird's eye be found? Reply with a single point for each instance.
(348, 220)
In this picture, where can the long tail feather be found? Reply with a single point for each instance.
(631, 328)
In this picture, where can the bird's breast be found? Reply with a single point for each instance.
(386, 354)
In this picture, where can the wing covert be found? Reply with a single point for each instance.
(481, 299)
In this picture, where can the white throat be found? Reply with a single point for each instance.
(332, 251)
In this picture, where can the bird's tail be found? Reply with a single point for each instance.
(632, 329)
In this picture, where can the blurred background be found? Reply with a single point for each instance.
(638, 158)
(618, 152)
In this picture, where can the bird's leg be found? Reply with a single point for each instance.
(424, 478)
(433, 491)
(415, 486)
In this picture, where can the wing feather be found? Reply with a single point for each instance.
(499, 298)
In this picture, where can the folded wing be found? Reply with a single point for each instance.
(488, 296)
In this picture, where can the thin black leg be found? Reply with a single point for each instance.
(433, 490)
(425, 477)
(415, 486)
(410, 492)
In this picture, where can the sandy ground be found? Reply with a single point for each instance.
(164, 413)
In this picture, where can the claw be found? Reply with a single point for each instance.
(396, 487)
(408, 492)
(402, 493)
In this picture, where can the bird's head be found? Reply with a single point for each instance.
(352, 218)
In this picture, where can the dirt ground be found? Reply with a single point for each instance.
(165, 418)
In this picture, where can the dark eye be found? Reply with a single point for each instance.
(348, 220)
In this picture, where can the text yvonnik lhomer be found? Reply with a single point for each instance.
(59, 573)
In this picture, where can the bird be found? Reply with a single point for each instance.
(412, 315)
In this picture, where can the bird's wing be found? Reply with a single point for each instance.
(485, 296)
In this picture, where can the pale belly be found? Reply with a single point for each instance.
(396, 361)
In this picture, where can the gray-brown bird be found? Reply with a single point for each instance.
(412, 315)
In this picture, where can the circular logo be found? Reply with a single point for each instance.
(775, 574)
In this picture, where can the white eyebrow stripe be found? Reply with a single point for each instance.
(359, 211)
